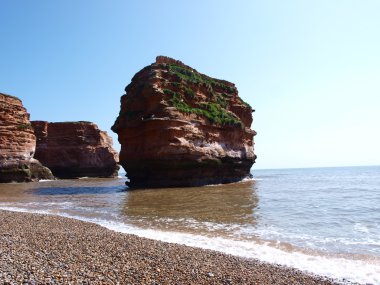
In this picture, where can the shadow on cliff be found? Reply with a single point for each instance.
(79, 190)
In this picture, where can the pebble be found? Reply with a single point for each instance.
(56, 250)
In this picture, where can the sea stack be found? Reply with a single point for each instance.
(75, 149)
(178, 128)
(18, 144)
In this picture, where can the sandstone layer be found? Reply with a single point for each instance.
(178, 127)
(75, 149)
(18, 144)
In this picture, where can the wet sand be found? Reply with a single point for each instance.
(42, 249)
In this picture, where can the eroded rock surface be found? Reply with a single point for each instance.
(178, 127)
(18, 144)
(75, 149)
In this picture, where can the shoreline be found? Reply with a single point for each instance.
(46, 249)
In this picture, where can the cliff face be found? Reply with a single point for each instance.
(75, 149)
(178, 127)
(17, 144)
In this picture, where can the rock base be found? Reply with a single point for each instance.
(24, 171)
(182, 173)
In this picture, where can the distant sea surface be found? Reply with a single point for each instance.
(324, 221)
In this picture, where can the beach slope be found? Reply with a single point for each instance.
(42, 249)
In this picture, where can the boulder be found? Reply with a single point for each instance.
(178, 127)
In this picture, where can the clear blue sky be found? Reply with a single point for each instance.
(311, 69)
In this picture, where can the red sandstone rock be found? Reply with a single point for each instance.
(178, 127)
(75, 149)
(17, 144)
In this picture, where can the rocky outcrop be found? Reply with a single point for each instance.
(75, 149)
(178, 127)
(18, 144)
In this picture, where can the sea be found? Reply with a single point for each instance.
(324, 221)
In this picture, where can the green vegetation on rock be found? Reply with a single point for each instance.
(214, 112)
(194, 77)
(189, 92)
(246, 104)
(197, 78)
(221, 100)
(24, 126)
(178, 102)
(218, 115)
(175, 84)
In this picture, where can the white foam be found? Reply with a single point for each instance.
(354, 270)
(315, 241)
(247, 179)
(22, 210)
(338, 268)
(361, 228)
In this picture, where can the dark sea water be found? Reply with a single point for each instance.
(321, 220)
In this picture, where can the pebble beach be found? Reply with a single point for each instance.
(44, 249)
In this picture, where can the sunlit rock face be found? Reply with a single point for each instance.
(178, 127)
(18, 144)
(75, 149)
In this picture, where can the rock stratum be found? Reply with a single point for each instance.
(178, 127)
(18, 144)
(75, 149)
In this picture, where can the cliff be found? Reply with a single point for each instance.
(178, 127)
(75, 149)
(17, 144)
